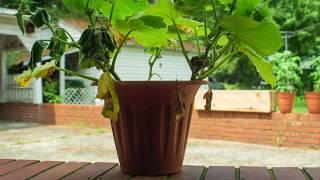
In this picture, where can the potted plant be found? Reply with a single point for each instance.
(288, 79)
(150, 119)
(313, 98)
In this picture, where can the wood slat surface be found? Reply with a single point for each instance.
(91, 171)
(31, 170)
(314, 172)
(4, 161)
(47, 170)
(221, 173)
(288, 173)
(60, 171)
(254, 173)
(189, 173)
(115, 173)
(14, 165)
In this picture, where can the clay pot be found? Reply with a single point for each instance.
(149, 139)
(285, 101)
(313, 102)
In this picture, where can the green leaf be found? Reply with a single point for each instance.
(187, 22)
(107, 91)
(154, 21)
(189, 6)
(263, 67)
(164, 9)
(40, 18)
(44, 70)
(123, 8)
(262, 37)
(246, 7)
(142, 34)
(36, 53)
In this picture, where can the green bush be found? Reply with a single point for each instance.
(315, 75)
(50, 91)
(286, 68)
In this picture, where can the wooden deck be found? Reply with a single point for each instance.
(32, 169)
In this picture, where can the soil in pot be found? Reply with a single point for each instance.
(313, 102)
(285, 101)
(149, 139)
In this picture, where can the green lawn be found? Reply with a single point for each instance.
(299, 105)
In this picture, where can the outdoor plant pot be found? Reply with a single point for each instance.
(148, 137)
(285, 101)
(313, 102)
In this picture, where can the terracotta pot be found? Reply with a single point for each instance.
(149, 140)
(285, 101)
(313, 102)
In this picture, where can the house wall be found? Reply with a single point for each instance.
(288, 130)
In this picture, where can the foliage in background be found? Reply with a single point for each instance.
(293, 15)
(315, 75)
(286, 67)
(51, 91)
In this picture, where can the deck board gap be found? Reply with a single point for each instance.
(237, 172)
(306, 174)
(74, 171)
(270, 171)
(97, 178)
(204, 173)
(44, 170)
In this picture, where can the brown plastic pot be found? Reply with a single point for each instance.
(313, 102)
(285, 101)
(148, 138)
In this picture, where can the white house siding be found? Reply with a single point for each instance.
(133, 65)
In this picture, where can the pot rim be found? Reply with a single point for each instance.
(161, 82)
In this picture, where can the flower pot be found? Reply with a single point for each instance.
(313, 102)
(285, 101)
(148, 137)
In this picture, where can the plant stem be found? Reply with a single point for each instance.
(214, 68)
(115, 75)
(198, 43)
(214, 41)
(181, 44)
(152, 60)
(118, 50)
(234, 3)
(214, 11)
(69, 35)
(111, 13)
(205, 26)
(77, 74)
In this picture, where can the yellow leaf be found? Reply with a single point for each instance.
(24, 79)
(44, 70)
(107, 92)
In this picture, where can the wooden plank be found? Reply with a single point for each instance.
(31, 170)
(115, 173)
(4, 161)
(60, 171)
(188, 173)
(91, 171)
(254, 173)
(242, 100)
(221, 173)
(286, 173)
(314, 172)
(14, 165)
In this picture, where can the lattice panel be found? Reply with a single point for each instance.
(79, 96)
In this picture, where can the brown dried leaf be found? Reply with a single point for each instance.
(208, 97)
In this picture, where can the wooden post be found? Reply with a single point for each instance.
(62, 85)
(3, 76)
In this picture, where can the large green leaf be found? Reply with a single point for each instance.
(263, 37)
(123, 8)
(164, 9)
(143, 34)
(264, 68)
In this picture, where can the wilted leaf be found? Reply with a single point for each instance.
(56, 46)
(107, 92)
(24, 79)
(180, 104)
(40, 18)
(19, 17)
(36, 53)
(44, 70)
(208, 97)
